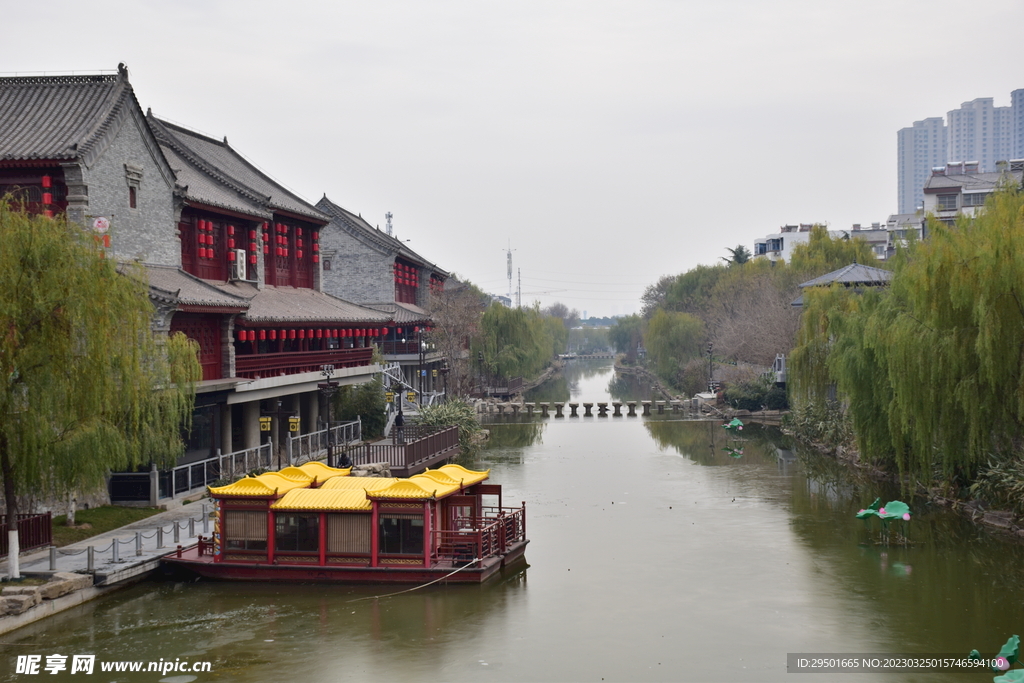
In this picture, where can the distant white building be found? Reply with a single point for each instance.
(962, 188)
(779, 246)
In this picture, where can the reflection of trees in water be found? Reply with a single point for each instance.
(629, 388)
(561, 388)
(517, 435)
(703, 440)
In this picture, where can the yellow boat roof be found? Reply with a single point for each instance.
(460, 473)
(296, 474)
(358, 483)
(268, 484)
(406, 489)
(322, 472)
(348, 500)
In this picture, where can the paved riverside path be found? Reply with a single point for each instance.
(74, 557)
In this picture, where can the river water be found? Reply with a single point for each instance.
(655, 556)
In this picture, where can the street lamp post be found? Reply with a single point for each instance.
(420, 370)
(711, 371)
(328, 389)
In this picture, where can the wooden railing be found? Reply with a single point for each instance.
(494, 536)
(258, 365)
(422, 445)
(313, 446)
(34, 531)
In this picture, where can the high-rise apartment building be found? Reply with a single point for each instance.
(977, 131)
(920, 147)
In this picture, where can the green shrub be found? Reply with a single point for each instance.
(454, 412)
(365, 402)
(776, 399)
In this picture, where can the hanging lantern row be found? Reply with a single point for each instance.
(47, 183)
(311, 333)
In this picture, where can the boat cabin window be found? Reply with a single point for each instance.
(245, 530)
(297, 532)
(401, 534)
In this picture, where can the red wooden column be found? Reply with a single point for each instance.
(428, 535)
(271, 535)
(323, 539)
(374, 536)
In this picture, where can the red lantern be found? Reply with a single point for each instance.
(241, 335)
(302, 334)
(231, 255)
(398, 330)
(265, 226)
(47, 182)
(415, 329)
(231, 243)
(292, 334)
(266, 249)
(309, 334)
(263, 335)
(47, 198)
(266, 237)
(273, 335)
(252, 234)
(298, 253)
(298, 231)
(285, 250)
(252, 258)
(280, 251)
(231, 230)
(319, 334)
(284, 334)
(316, 259)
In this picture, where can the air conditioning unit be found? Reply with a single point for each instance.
(238, 265)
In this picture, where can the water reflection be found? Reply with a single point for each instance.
(654, 556)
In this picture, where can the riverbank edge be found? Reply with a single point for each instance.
(48, 608)
(1001, 521)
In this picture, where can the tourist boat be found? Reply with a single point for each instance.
(318, 523)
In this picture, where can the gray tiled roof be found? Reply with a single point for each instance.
(970, 182)
(291, 304)
(853, 274)
(190, 290)
(218, 157)
(403, 313)
(360, 229)
(61, 117)
(205, 184)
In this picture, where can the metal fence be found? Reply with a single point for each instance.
(34, 531)
(313, 446)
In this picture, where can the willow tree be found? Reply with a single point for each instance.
(88, 388)
(515, 341)
(932, 370)
(672, 340)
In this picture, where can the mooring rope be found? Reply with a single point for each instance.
(416, 588)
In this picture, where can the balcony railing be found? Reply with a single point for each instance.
(313, 446)
(257, 365)
(398, 348)
(421, 448)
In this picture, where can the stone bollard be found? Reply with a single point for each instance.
(661, 407)
(501, 409)
(647, 407)
(53, 558)
(618, 409)
(586, 409)
(138, 543)
(675, 406)
(529, 409)
(632, 408)
(515, 409)
(90, 559)
(602, 410)
(558, 409)
(543, 409)
(159, 538)
(574, 407)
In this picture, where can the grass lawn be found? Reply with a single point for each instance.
(101, 519)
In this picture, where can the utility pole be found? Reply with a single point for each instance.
(519, 290)
(387, 218)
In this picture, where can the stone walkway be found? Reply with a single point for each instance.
(140, 545)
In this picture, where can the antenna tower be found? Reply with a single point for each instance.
(387, 217)
(519, 291)
(509, 259)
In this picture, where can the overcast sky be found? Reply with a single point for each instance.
(608, 142)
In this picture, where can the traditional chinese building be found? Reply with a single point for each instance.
(368, 266)
(233, 257)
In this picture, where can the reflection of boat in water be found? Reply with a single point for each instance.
(317, 523)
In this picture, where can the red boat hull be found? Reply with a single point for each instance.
(203, 565)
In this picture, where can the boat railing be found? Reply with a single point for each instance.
(481, 537)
